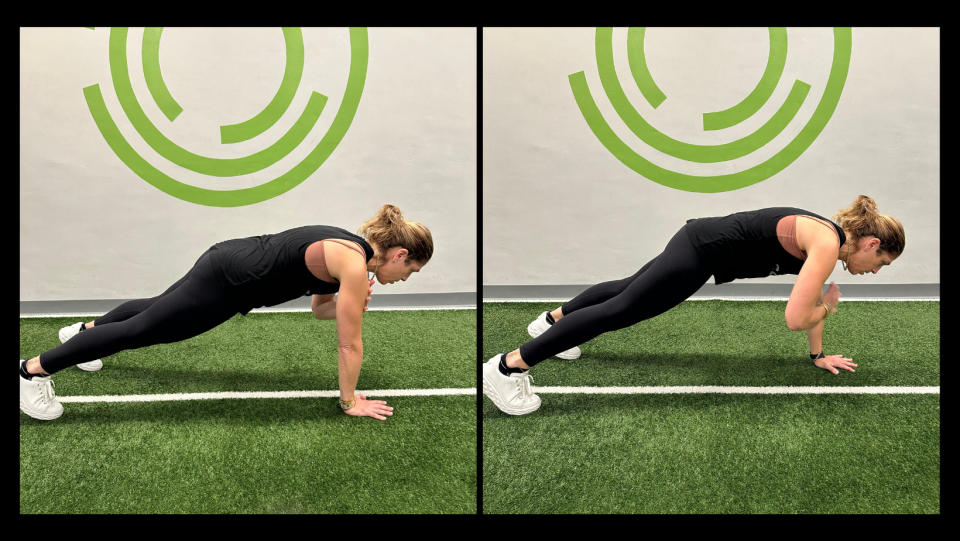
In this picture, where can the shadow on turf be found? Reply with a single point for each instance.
(247, 412)
(199, 380)
(233, 412)
(123, 380)
(708, 368)
(674, 369)
(685, 368)
(141, 380)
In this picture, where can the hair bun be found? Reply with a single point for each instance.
(388, 229)
(861, 220)
(391, 214)
(866, 204)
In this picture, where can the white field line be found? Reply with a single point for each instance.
(701, 389)
(714, 298)
(263, 394)
(714, 389)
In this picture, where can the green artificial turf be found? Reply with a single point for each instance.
(261, 455)
(737, 343)
(711, 453)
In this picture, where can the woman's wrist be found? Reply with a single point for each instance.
(346, 404)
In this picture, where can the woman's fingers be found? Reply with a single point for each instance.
(842, 362)
(847, 364)
(377, 409)
(832, 296)
(833, 363)
(380, 412)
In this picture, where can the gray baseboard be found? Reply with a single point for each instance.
(413, 301)
(560, 293)
(517, 293)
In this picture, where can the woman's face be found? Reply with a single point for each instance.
(868, 257)
(397, 266)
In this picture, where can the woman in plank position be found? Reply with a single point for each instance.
(238, 275)
(752, 244)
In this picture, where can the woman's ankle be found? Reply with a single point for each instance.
(515, 361)
(34, 368)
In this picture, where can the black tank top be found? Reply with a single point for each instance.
(270, 269)
(745, 244)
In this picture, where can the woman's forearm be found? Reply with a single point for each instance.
(815, 337)
(349, 359)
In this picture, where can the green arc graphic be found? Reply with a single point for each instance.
(292, 74)
(218, 167)
(224, 198)
(231, 133)
(718, 183)
(680, 149)
(150, 54)
(776, 60)
(637, 59)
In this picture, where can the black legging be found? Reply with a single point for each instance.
(664, 282)
(193, 305)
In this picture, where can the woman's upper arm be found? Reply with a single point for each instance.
(350, 269)
(820, 262)
(322, 299)
(353, 294)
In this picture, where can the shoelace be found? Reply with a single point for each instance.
(46, 390)
(524, 389)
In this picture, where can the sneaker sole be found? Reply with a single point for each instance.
(534, 330)
(43, 416)
(490, 391)
(63, 337)
(40, 416)
(91, 366)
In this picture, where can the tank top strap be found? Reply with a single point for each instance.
(317, 264)
(787, 233)
(355, 246)
(824, 222)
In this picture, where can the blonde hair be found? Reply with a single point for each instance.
(388, 229)
(861, 220)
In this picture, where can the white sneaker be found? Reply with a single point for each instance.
(540, 326)
(37, 398)
(69, 332)
(512, 394)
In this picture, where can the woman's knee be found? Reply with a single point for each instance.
(613, 316)
(139, 332)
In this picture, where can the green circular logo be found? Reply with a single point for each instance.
(711, 121)
(233, 133)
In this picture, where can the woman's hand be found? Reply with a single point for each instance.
(832, 297)
(369, 293)
(833, 362)
(369, 408)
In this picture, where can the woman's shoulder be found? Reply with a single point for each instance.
(815, 231)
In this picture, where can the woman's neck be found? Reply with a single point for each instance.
(376, 260)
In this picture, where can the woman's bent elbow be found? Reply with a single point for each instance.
(794, 324)
(349, 347)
